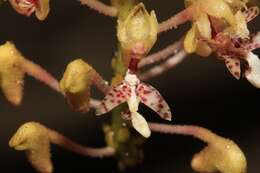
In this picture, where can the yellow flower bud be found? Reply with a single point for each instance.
(221, 156)
(76, 83)
(33, 138)
(138, 32)
(27, 7)
(11, 73)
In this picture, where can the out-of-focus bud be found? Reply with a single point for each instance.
(110, 136)
(27, 7)
(34, 140)
(138, 32)
(11, 73)
(253, 73)
(221, 156)
(123, 135)
(76, 84)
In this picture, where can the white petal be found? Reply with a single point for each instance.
(253, 76)
(116, 96)
(152, 98)
(140, 124)
(256, 39)
(233, 65)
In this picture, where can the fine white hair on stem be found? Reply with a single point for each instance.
(66, 143)
(178, 19)
(198, 132)
(100, 7)
(161, 68)
(41, 74)
(162, 54)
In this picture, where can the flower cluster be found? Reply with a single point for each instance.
(219, 27)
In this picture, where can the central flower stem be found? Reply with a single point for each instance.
(126, 147)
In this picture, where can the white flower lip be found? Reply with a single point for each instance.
(253, 76)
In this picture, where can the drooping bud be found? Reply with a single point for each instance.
(34, 140)
(221, 156)
(76, 84)
(138, 32)
(27, 7)
(11, 73)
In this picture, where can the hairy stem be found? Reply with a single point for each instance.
(178, 19)
(198, 132)
(162, 54)
(100, 83)
(158, 70)
(40, 74)
(66, 143)
(101, 7)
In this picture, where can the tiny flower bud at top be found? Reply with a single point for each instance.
(76, 83)
(138, 32)
(11, 73)
(33, 138)
(27, 7)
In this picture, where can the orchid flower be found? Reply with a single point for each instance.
(132, 91)
(235, 50)
(211, 16)
(27, 7)
(220, 26)
(137, 34)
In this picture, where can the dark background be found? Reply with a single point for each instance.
(199, 91)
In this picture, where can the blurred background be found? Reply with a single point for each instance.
(200, 91)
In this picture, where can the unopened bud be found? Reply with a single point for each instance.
(34, 140)
(221, 156)
(11, 73)
(138, 32)
(76, 84)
